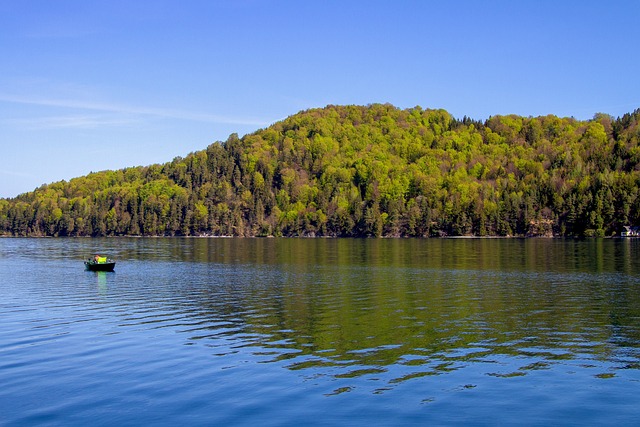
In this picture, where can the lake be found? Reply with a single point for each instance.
(278, 332)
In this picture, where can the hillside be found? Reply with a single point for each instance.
(364, 171)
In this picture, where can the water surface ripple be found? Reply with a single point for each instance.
(320, 332)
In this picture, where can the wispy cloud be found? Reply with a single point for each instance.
(124, 109)
(71, 121)
(58, 32)
(16, 174)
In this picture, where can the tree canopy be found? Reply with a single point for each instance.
(371, 170)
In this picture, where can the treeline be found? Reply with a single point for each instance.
(364, 171)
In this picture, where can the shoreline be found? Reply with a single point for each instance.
(329, 237)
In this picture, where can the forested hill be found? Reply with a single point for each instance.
(364, 171)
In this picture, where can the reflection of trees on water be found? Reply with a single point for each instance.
(401, 309)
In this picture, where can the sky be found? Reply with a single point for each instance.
(87, 86)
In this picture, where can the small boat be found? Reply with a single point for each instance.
(99, 263)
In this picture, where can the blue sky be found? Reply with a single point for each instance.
(94, 85)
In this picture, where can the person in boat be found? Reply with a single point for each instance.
(98, 259)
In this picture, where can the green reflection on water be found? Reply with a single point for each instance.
(101, 279)
(427, 307)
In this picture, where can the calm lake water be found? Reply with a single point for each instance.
(320, 332)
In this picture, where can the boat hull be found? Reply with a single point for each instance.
(99, 266)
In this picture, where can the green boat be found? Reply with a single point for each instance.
(99, 263)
